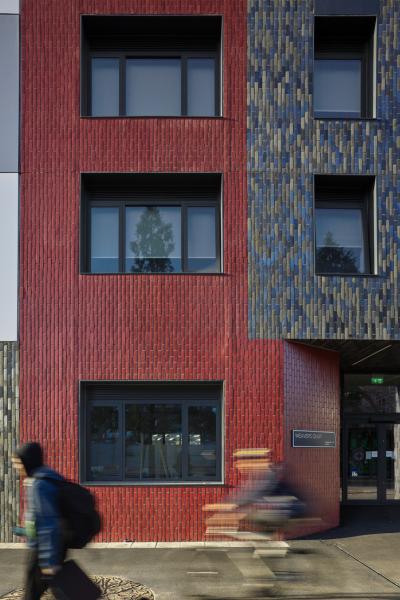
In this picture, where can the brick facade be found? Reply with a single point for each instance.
(145, 327)
(312, 401)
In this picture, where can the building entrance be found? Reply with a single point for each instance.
(371, 439)
(371, 471)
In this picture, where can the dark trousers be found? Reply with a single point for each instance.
(35, 583)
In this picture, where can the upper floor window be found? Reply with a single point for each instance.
(343, 67)
(151, 66)
(344, 224)
(151, 223)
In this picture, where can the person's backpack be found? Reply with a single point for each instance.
(78, 512)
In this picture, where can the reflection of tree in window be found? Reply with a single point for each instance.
(359, 400)
(104, 423)
(154, 243)
(153, 441)
(371, 399)
(104, 454)
(202, 425)
(335, 259)
(202, 441)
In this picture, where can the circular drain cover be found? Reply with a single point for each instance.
(113, 588)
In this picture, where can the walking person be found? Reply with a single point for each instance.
(43, 524)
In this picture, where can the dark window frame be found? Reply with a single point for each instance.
(181, 197)
(347, 47)
(348, 192)
(182, 56)
(150, 36)
(147, 394)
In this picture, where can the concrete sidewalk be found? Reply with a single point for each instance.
(359, 566)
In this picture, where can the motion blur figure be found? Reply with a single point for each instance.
(59, 515)
(258, 512)
(42, 526)
(265, 498)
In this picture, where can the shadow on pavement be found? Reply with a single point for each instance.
(362, 520)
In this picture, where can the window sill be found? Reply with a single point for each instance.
(364, 119)
(151, 483)
(216, 274)
(153, 117)
(359, 275)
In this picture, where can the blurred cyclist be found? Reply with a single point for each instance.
(264, 499)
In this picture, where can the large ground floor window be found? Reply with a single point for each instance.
(150, 433)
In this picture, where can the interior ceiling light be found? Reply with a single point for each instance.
(369, 355)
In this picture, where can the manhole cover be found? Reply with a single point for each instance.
(113, 588)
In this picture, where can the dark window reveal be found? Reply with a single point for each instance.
(144, 433)
(151, 66)
(151, 224)
(344, 224)
(343, 67)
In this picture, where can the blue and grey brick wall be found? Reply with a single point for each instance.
(9, 427)
(286, 147)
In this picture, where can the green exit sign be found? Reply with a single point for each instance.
(377, 380)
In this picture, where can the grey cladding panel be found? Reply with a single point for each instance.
(9, 93)
(346, 7)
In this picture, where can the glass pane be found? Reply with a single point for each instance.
(105, 87)
(153, 86)
(362, 462)
(201, 87)
(340, 240)
(371, 393)
(104, 453)
(104, 240)
(202, 255)
(202, 442)
(153, 239)
(153, 441)
(392, 462)
(337, 87)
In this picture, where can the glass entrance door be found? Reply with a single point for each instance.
(392, 462)
(371, 438)
(362, 462)
(371, 462)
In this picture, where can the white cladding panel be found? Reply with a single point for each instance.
(9, 7)
(9, 92)
(9, 256)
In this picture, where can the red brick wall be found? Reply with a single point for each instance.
(312, 401)
(75, 327)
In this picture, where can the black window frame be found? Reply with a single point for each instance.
(347, 38)
(348, 192)
(182, 56)
(181, 190)
(192, 43)
(185, 394)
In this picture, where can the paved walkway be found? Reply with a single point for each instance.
(348, 563)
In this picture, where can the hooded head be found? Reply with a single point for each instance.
(31, 456)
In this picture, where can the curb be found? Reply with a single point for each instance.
(132, 545)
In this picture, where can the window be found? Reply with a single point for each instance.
(371, 392)
(151, 66)
(344, 224)
(152, 432)
(343, 67)
(150, 223)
